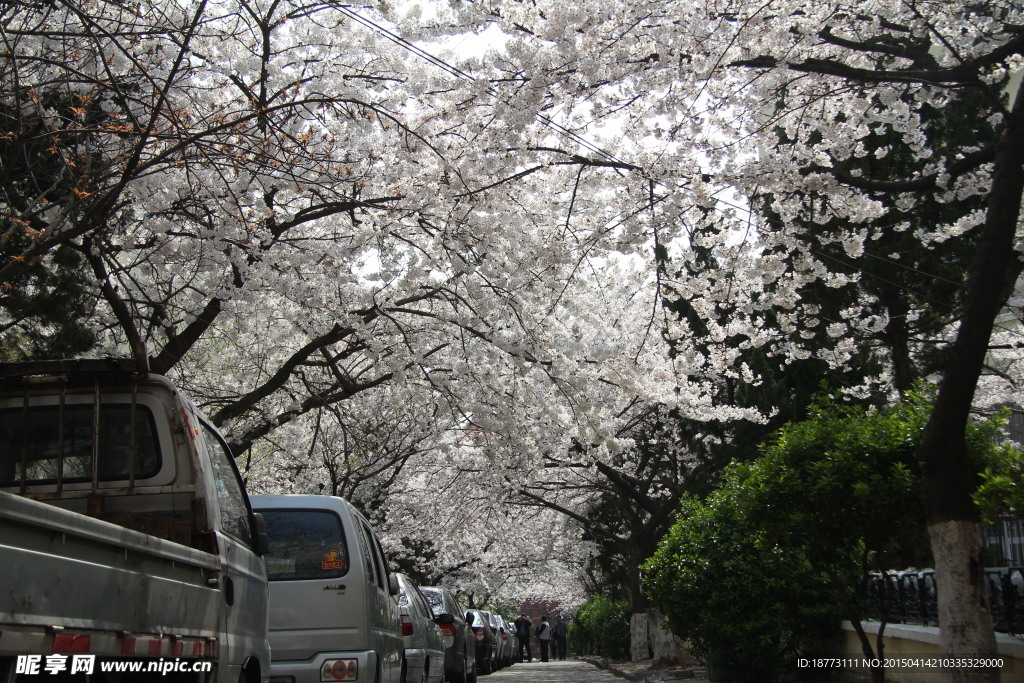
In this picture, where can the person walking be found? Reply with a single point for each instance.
(544, 636)
(523, 626)
(559, 633)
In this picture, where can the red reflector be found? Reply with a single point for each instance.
(447, 629)
(340, 670)
(406, 626)
(71, 643)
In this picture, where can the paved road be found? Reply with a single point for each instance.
(561, 671)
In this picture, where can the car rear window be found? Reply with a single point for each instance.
(435, 599)
(305, 544)
(46, 444)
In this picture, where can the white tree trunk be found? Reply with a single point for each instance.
(965, 621)
(664, 644)
(639, 637)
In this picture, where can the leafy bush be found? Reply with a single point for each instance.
(601, 627)
(781, 551)
(735, 597)
(1001, 491)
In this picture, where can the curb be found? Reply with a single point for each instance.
(611, 668)
(646, 675)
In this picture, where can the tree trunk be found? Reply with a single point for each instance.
(965, 620)
(639, 622)
(965, 623)
(663, 643)
(639, 637)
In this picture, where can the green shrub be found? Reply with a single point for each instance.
(779, 553)
(736, 598)
(601, 627)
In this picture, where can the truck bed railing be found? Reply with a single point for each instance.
(43, 375)
(82, 369)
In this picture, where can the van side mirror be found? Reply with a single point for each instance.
(393, 584)
(260, 537)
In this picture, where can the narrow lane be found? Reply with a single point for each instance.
(560, 671)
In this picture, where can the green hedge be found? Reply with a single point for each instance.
(601, 627)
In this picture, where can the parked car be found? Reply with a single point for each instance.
(504, 637)
(334, 614)
(486, 643)
(424, 647)
(459, 640)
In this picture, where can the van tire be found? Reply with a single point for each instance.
(250, 672)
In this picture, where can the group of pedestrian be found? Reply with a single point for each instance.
(552, 637)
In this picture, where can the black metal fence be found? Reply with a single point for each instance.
(1004, 543)
(909, 597)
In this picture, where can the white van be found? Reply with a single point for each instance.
(333, 611)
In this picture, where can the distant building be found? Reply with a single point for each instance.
(535, 609)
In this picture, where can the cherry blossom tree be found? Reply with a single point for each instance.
(285, 209)
(344, 254)
(774, 100)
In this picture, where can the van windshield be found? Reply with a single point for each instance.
(305, 544)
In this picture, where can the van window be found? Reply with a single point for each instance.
(234, 511)
(372, 561)
(381, 558)
(34, 449)
(305, 544)
(378, 562)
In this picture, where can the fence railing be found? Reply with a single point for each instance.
(1004, 542)
(909, 597)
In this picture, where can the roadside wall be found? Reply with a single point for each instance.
(921, 643)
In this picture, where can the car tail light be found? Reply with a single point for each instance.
(478, 633)
(406, 626)
(339, 670)
(447, 629)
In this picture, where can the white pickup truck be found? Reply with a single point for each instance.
(128, 547)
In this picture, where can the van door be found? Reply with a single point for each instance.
(243, 580)
(387, 627)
